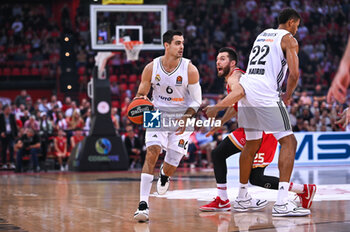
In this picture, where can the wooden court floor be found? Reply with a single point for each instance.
(107, 201)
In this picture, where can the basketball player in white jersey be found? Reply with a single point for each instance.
(261, 107)
(176, 89)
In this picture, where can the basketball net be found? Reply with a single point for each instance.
(132, 49)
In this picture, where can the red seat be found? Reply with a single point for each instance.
(7, 71)
(115, 104)
(1, 73)
(83, 79)
(16, 72)
(45, 72)
(25, 71)
(123, 87)
(113, 78)
(132, 86)
(81, 70)
(132, 78)
(34, 72)
(123, 77)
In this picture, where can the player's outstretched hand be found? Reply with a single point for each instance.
(339, 85)
(212, 131)
(211, 111)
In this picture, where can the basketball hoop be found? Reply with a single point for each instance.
(132, 49)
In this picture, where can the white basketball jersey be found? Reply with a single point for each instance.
(170, 92)
(267, 65)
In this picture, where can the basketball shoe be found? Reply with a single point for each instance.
(289, 209)
(162, 183)
(217, 205)
(307, 196)
(248, 203)
(142, 212)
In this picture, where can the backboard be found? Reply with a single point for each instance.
(112, 24)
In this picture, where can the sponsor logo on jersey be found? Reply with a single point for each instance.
(264, 40)
(174, 99)
(157, 77)
(179, 80)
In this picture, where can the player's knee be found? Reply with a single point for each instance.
(152, 153)
(290, 142)
(254, 179)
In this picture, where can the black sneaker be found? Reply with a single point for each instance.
(162, 183)
(142, 212)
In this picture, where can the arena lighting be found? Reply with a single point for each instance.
(67, 54)
(69, 87)
(68, 70)
(66, 39)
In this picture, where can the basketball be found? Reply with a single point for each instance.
(136, 109)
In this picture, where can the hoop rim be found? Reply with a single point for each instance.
(132, 49)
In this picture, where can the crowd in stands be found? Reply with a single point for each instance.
(29, 41)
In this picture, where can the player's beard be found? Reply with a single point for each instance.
(225, 71)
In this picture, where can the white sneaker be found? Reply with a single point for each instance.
(4, 166)
(12, 166)
(162, 183)
(248, 203)
(62, 169)
(142, 212)
(289, 209)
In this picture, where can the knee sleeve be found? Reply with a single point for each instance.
(258, 178)
(219, 155)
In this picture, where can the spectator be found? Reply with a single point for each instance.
(28, 144)
(46, 130)
(76, 138)
(75, 122)
(61, 122)
(115, 118)
(21, 99)
(54, 102)
(8, 132)
(318, 94)
(305, 99)
(32, 123)
(205, 143)
(87, 122)
(73, 107)
(133, 147)
(67, 104)
(44, 105)
(60, 142)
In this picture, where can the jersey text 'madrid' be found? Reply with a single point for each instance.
(170, 92)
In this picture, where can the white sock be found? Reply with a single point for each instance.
(222, 191)
(282, 194)
(243, 190)
(297, 188)
(145, 186)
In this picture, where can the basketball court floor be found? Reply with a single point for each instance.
(106, 201)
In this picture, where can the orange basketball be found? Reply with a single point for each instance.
(136, 109)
